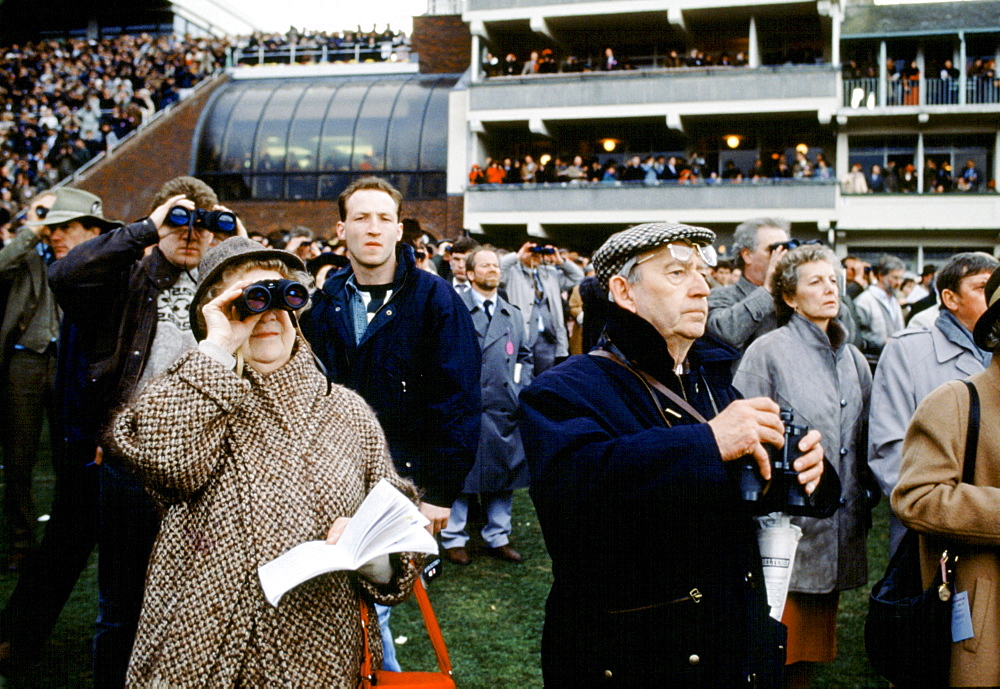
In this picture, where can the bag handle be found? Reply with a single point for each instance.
(654, 383)
(971, 435)
(430, 622)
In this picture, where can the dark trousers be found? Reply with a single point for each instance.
(129, 523)
(50, 573)
(28, 394)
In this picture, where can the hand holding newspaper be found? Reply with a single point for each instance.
(387, 522)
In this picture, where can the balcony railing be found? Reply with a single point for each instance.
(864, 93)
(385, 51)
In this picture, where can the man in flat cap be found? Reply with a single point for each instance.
(657, 574)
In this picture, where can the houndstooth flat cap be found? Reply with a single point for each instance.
(621, 246)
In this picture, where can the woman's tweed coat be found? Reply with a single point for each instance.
(248, 468)
(964, 518)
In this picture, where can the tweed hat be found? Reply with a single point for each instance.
(621, 246)
(80, 205)
(981, 333)
(229, 253)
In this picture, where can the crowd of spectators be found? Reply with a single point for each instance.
(650, 169)
(942, 80)
(349, 44)
(939, 177)
(547, 62)
(62, 102)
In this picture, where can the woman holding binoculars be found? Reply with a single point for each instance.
(250, 452)
(808, 366)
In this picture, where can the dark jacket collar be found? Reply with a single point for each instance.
(405, 263)
(162, 272)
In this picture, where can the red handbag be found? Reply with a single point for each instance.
(423, 680)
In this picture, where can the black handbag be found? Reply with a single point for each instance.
(908, 629)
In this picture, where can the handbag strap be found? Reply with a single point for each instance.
(652, 382)
(430, 621)
(971, 435)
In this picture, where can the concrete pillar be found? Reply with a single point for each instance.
(842, 165)
(883, 79)
(996, 157)
(836, 18)
(918, 160)
(922, 84)
(753, 49)
(477, 59)
(962, 74)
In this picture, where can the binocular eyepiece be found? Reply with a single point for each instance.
(286, 295)
(783, 493)
(222, 222)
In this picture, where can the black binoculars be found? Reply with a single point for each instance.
(794, 244)
(223, 222)
(287, 295)
(783, 493)
(543, 250)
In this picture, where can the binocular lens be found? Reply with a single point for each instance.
(225, 222)
(257, 298)
(179, 216)
(296, 296)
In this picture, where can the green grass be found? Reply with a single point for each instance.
(491, 614)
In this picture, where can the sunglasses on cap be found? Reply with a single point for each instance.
(680, 252)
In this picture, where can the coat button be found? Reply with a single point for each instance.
(409, 465)
(694, 659)
(137, 353)
(388, 312)
(607, 673)
(337, 309)
(749, 577)
(843, 403)
(843, 451)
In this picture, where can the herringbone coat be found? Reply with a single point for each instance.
(248, 467)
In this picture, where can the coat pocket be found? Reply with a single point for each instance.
(981, 599)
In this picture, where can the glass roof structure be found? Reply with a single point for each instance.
(300, 139)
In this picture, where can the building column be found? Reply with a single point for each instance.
(842, 165)
(918, 160)
(883, 76)
(753, 49)
(922, 83)
(477, 59)
(996, 157)
(962, 75)
(835, 19)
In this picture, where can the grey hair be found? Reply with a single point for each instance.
(745, 236)
(887, 263)
(785, 280)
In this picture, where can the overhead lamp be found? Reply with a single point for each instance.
(609, 144)
(802, 148)
(544, 160)
(733, 141)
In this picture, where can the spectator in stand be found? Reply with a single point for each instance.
(802, 167)
(575, 173)
(531, 65)
(731, 173)
(908, 180)
(649, 169)
(610, 174)
(511, 171)
(890, 177)
(671, 169)
(476, 176)
(876, 180)
(494, 173)
(511, 66)
(547, 63)
(528, 170)
(854, 182)
(609, 63)
(633, 171)
(823, 169)
(970, 178)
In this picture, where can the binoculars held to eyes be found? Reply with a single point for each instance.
(783, 493)
(287, 295)
(222, 222)
(543, 250)
(794, 243)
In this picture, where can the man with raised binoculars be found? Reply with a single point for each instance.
(129, 291)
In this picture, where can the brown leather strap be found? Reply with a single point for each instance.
(433, 631)
(652, 383)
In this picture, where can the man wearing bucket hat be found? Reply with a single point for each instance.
(29, 338)
(129, 292)
(657, 574)
(64, 219)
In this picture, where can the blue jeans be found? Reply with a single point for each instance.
(496, 531)
(389, 661)
(129, 523)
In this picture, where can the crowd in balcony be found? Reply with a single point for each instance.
(942, 81)
(547, 62)
(938, 178)
(62, 102)
(650, 169)
(311, 46)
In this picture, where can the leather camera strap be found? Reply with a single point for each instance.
(652, 383)
(971, 436)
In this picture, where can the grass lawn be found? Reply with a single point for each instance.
(491, 615)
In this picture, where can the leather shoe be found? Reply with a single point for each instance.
(505, 552)
(459, 555)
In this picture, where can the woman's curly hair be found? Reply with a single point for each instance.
(785, 280)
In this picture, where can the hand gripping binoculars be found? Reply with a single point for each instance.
(287, 295)
(221, 222)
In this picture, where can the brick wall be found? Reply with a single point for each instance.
(443, 43)
(128, 180)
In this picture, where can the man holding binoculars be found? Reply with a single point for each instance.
(129, 291)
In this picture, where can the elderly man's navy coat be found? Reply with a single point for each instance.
(657, 574)
(417, 366)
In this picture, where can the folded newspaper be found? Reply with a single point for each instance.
(387, 522)
(778, 539)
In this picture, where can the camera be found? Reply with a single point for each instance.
(783, 493)
(544, 250)
(222, 222)
(287, 295)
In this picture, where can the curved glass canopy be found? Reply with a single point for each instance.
(299, 139)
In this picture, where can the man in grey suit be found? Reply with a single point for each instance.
(917, 360)
(738, 314)
(507, 366)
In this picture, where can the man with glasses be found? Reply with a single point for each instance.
(657, 574)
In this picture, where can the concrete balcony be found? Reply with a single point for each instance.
(609, 6)
(915, 212)
(673, 93)
(615, 203)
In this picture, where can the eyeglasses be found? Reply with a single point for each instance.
(793, 243)
(680, 252)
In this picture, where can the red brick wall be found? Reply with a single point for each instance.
(443, 43)
(128, 180)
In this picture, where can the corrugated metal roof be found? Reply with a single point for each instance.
(939, 18)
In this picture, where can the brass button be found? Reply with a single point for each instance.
(694, 659)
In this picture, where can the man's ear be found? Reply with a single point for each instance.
(949, 299)
(621, 293)
(340, 230)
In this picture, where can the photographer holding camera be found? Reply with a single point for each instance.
(633, 452)
(129, 291)
(808, 365)
(534, 279)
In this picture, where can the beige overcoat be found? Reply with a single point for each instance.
(964, 518)
(249, 467)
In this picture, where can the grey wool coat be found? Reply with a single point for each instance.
(247, 468)
(500, 462)
(827, 384)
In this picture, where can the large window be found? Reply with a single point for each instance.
(300, 139)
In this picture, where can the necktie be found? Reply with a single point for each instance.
(488, 306)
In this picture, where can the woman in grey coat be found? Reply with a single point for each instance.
(807, 365)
